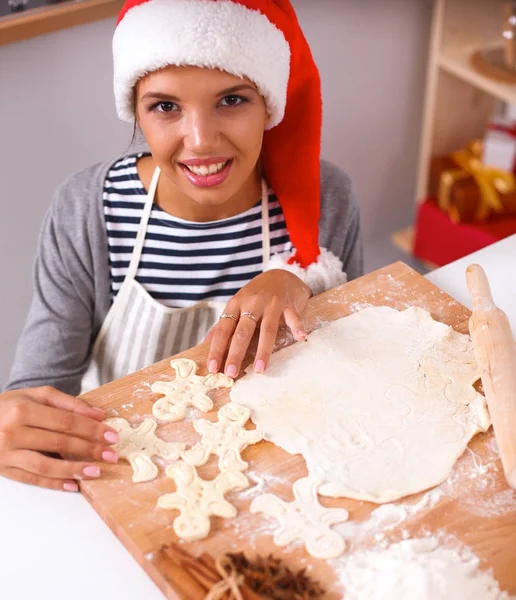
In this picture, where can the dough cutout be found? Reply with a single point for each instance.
(187, 389)
(137, 445)
(451, 362)
(226, 438)
(198, 499)
(305, 519)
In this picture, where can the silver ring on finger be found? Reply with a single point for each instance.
(250, 315)
(228, 316)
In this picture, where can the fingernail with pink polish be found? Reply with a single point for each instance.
(71, 487)
(92, 472)
(301, 335)
(97, 409)
(231, 371)
(213, 366)
(259, 366)
(109, 456)
(111, 437)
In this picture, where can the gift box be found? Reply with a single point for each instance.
(500, 144)
(469, 191)
(439, 240)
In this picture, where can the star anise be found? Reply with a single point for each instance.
(271, 578)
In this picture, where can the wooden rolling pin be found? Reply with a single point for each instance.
(495, 352)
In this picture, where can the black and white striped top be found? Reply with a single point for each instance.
(184, 262)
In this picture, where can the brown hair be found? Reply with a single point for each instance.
(136, 130)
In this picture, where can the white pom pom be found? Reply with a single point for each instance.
(326, 273)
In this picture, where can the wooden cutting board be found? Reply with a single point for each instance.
(474, 505)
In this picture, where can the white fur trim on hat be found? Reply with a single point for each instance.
(219, 34)
(325, 274)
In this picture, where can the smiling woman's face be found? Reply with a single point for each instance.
(204, 128)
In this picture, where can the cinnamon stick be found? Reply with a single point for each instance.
(183, 583)
(265, 577)
(196, 569)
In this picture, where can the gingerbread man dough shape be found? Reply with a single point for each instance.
(451, 361)
(187, 389)
(304, 519)
(226, 439)
(197, 499)
(138, 445)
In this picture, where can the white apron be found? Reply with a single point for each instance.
(138, 330)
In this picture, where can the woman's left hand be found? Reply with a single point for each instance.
(262, 303)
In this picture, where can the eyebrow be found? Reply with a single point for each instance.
(226, 92)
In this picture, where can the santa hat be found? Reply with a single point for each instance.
(261, 40)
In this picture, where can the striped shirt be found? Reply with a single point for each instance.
(184, 262)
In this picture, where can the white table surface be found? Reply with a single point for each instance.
(499, 263)
(53, 546)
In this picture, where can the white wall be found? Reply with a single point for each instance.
(372, 57)
(57, 116)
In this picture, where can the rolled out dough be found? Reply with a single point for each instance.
(380, 403)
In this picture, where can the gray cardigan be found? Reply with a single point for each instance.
(71, 274)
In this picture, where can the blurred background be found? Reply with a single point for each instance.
(406, 83)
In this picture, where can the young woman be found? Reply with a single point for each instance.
(228, 225)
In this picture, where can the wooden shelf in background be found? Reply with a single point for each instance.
(457, 60)
(459, 98)
(45, 19)
(404, 241)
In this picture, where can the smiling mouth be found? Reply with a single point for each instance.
(209, 174)
(205, 170)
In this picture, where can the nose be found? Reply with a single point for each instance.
(200, 132)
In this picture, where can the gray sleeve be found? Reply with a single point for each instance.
(55, 344)
(339, 224)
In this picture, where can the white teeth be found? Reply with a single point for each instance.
(207, 169)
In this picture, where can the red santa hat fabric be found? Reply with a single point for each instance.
(261, 40)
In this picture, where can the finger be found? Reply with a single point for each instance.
(268, 334)
(209, 336)
(45, 466)
(239, 345)
(67, 485)
(220, 336)
(41, 440)
(64, 421)
(293, 321)
(51, 397)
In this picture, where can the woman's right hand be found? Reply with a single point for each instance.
(38, 420)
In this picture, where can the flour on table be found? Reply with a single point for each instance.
(187, 389)
(367, 405)
(198, 499)
(226, 438)
(304, 518)
(417, 569)
(138, 445)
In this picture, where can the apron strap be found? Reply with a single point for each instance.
(140, 237)
(266, 242)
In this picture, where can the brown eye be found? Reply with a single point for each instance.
(164, 107)
(232, 100)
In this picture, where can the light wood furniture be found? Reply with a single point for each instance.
(496, 356)
(52, 17)
(459, 100)
(130, 510)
